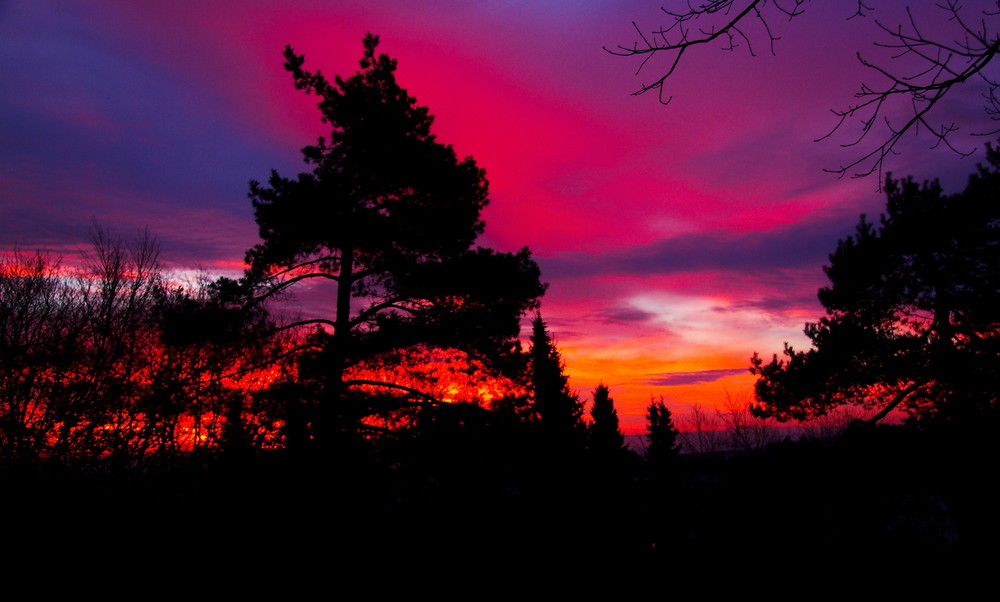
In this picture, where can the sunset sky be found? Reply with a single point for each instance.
(676, 240)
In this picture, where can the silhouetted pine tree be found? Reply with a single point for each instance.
(390, 216)
(606, 439)
(555, 405)
(662, 436)
(555, 476)
(662, 492)
(611, 462)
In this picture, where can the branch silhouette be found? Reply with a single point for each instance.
(941, 64)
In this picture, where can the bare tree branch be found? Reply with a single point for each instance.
(922, 69)
(675, 39)
(942, 65)
(354, 382)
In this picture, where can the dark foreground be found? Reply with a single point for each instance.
(889, 503)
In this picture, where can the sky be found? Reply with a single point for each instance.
(676, 239)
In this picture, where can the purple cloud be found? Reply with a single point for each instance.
(668, 379)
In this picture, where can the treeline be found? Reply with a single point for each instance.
(110, 366)
(112, 372)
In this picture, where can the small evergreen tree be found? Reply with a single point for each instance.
(661, 435)
(606, 439)
(662, 493)
(556, 408)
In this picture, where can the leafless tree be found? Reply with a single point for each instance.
(746, 432)
(835, 422)
(108, 365)
(41, 333)
(701, 432)
(925, 61)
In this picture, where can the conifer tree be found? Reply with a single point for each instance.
(912, 312)
(606, 439)
(557, 408)
(661, 434)
(387, 217)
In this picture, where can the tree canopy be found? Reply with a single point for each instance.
(912, 311)
(389, 215)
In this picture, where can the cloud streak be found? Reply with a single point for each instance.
(794, 246)
(698, 377)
